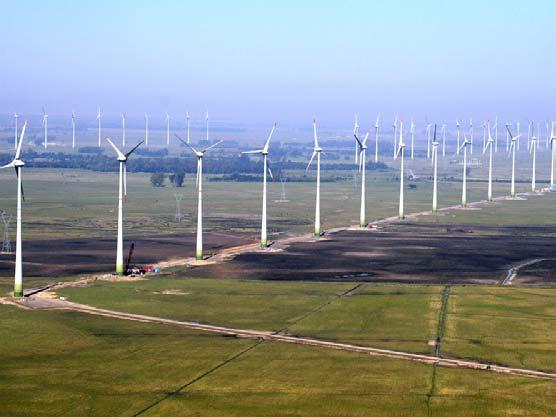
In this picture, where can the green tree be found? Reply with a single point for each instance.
(157, 179)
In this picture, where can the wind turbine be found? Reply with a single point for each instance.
(18, 164)
(552, 150)
(168, 129)
(489, 146)
(146, 129)
(471, 135)
(72, 129)
(123, 129)
(428, 131)
(187, 119)
(207, 120)
(199, 182)
(529, 128)
(99, 116)
(412, 131)
(394, 127)
(122, 195)
(533, 150)
(464, 181)
(513, 146)
(377, 123)
(400, 153)
(15, 135)
(356, 132)
(458, 139)
(45, 125)
(316, 152)
(362, 167)
(443, 129)
(434, 172)
(264, 153)
(507, 139)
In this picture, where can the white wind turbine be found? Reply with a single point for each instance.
(207, 120)
(187, 120)
(513, 144)
(394, 128)
(443, 130)
(362, 166)
(489, 145)
(458, 138)
(146, 129)
(15, 135)
(412, 131)
(464, 180)
(434, 172)
(356, 132)
(533, 150)
(264, 153)
(428, 132)
(72, 129)
(316, 152)
(377, 126)
(123, 129)
(400, 153)
(122, 195)
(45, 125)
(168, 129)
(18, 164)
(552, 151)
(199, 183)
(99, 117)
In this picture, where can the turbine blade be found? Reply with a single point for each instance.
(186, 144)
(18, 150)
(134, 148)
(256, 151)
(358, 141)
(366, 137)
(120, 155)
(212, 146)
(269, 137)
(310, 161)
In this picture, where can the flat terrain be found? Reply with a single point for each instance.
(401, 252)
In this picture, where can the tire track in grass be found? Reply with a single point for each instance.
(438, 342)
(198, 378)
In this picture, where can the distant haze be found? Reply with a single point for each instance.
(247, 61)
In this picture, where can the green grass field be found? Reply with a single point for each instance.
(63, 363)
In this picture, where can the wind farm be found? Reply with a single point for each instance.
(287, 211)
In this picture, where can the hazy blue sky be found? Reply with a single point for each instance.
(246, 60)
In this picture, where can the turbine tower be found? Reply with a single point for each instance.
(264, 153)
(533, 150)
(400, 153)
(316, 152)
(552, 151)
(513, 144)
(434, 172)
(146, 129)
(72, 129)
(99, 117)
(199, 183)
(123, 129)
(15, 135)
(362, 167)
(412, 131)
(45, 126)
(122, 195)
(6, 244)
(187, 119)
(356, 132)
(18, 164)
(377, 125)
(463, 147)
(458, 138)
(489, 146)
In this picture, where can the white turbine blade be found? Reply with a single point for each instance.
(269, 137)
(120, 155)
(358, 141)
(125, 181)
(21, 136)
(365, 140)
(186, 144)
(10, 165)
(315, 133)
(198, 173)
(212, 146)
(270, 173)
(251, 152)
(134, 148)
(310, 161)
